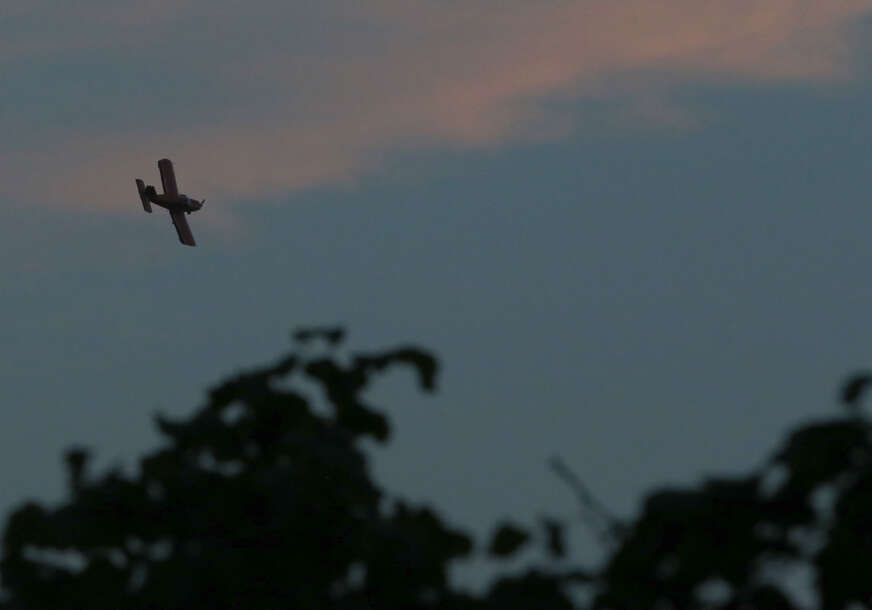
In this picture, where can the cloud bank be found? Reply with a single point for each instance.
(259, 99)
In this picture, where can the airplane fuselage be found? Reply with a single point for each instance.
(179, 202)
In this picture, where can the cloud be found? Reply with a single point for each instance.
(257, 99)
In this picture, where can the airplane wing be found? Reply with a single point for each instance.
(168, 177)
(182, 228)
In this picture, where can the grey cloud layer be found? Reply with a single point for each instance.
(256, 99)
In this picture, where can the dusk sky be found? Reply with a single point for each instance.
(637, 234)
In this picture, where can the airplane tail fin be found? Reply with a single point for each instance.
(140, 186)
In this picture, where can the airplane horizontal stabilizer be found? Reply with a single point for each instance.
(146, 204)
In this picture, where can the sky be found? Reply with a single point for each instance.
(635, 233)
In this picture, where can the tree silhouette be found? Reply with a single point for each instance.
(731, 543)
(260, 501)
(257, 501)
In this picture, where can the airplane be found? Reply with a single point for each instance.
(177, 203)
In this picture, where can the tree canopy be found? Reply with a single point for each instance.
(262, 500)
(258, 500)
(733, 543)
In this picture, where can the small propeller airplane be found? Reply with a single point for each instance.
(177, 203)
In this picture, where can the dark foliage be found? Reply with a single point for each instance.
(743, 533)
(259, 502)
(256, 501)
(554, 537)
(508, 539)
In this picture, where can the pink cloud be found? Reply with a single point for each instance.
(416, 73)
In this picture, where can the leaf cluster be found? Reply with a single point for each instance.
(257, 500)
